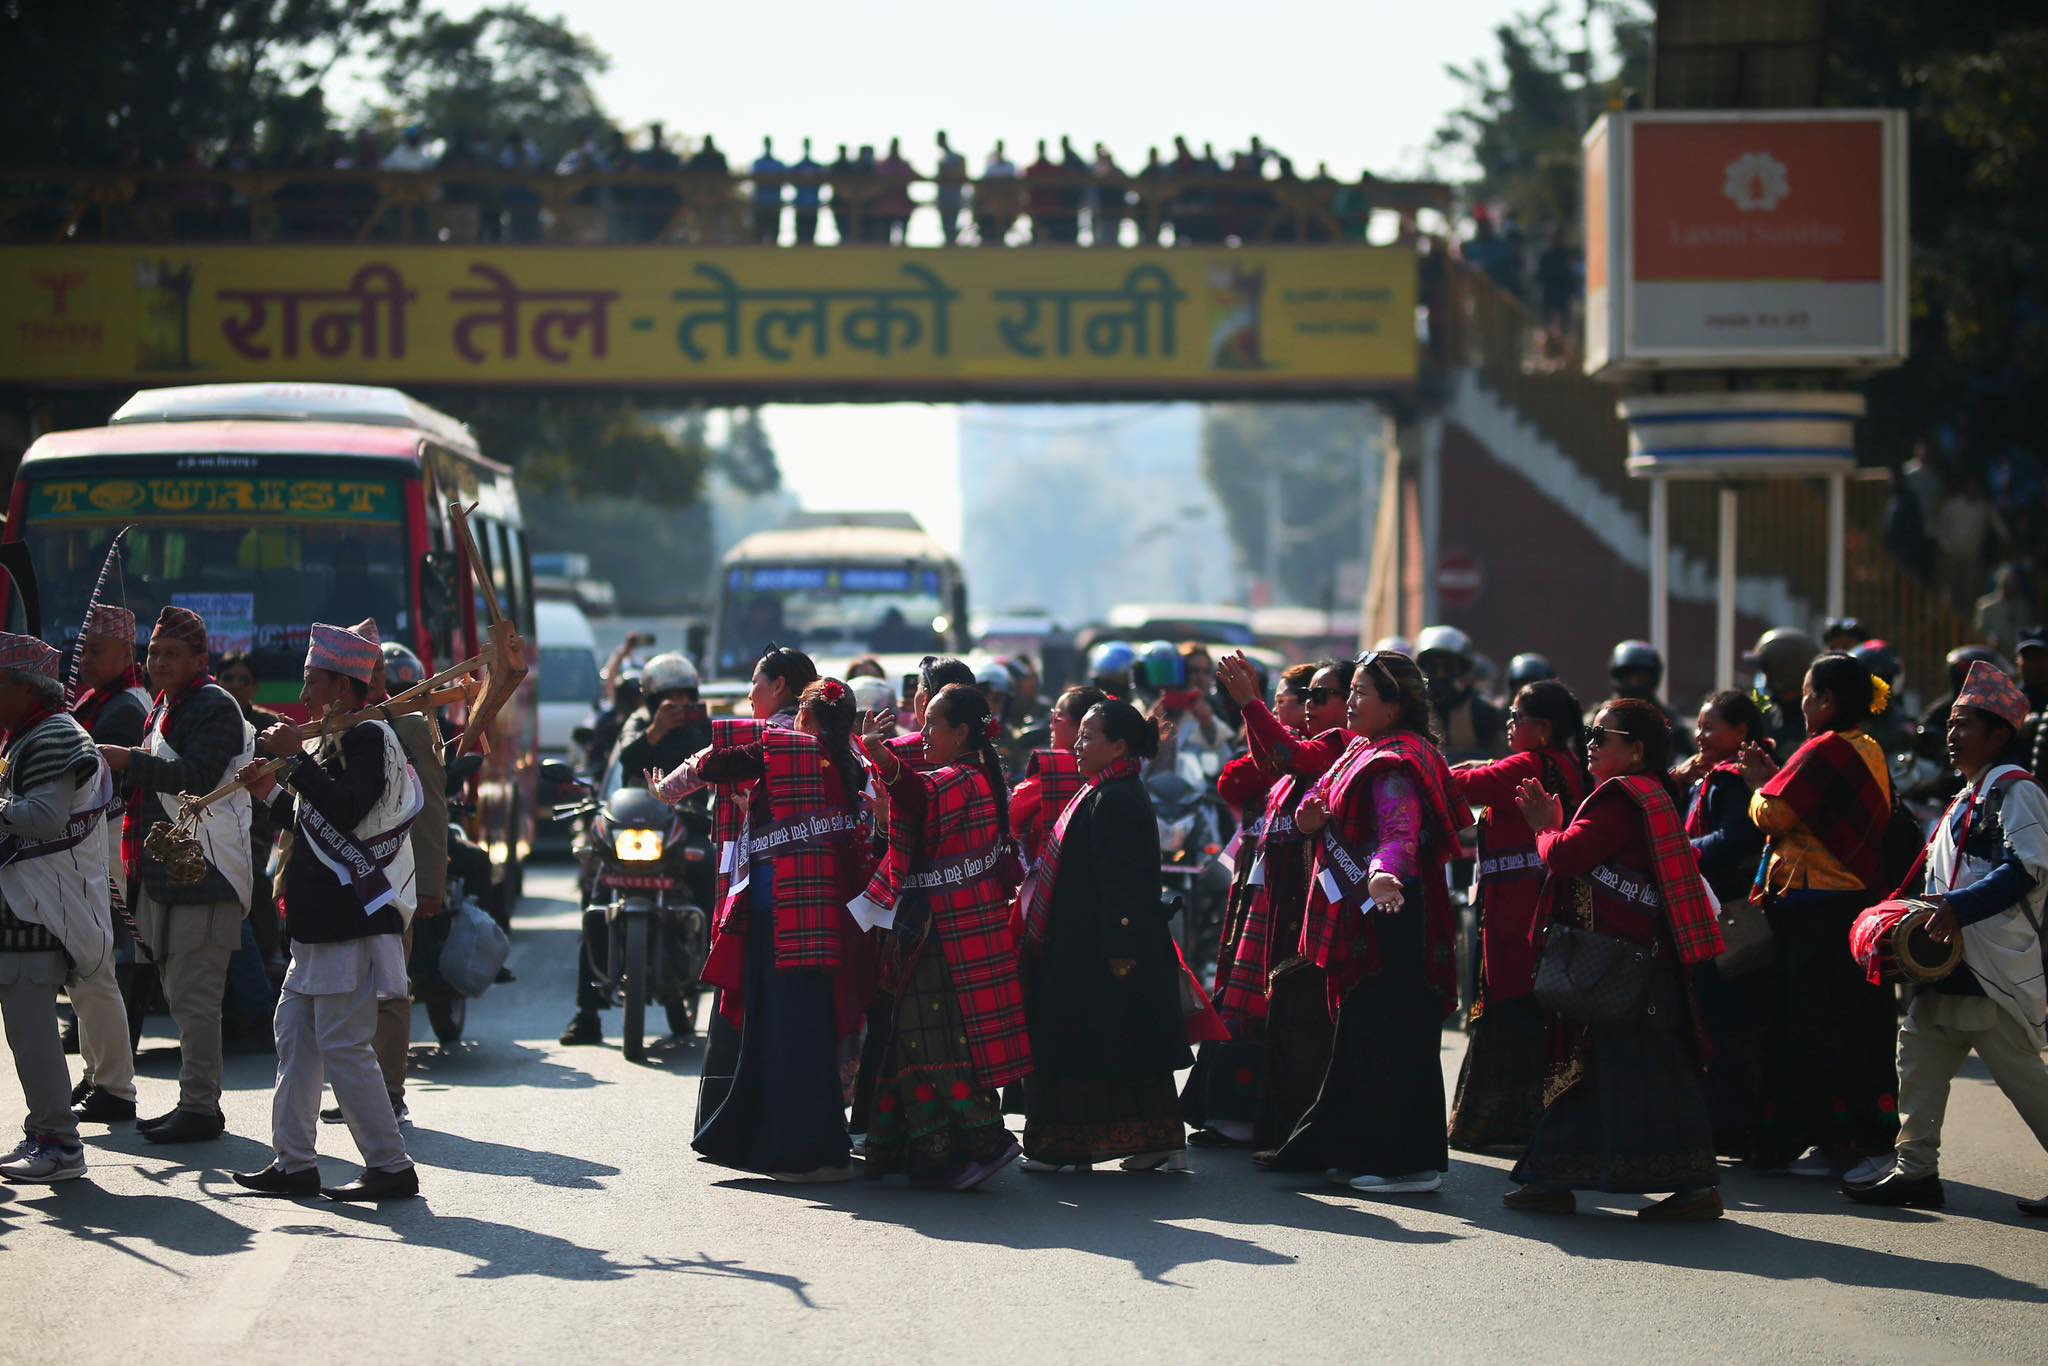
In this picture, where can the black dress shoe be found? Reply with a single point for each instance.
(186, 1126)
(585, 1028)
(101, 1106)
(274, 1180)
(2034, 1209)
(78, 1091)
(143, 1126)
(375, 1184)
(1910, 1192)
(505, 975)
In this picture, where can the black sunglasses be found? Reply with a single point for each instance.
(1600, 734)
(1318, 696)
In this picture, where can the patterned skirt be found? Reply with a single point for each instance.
(929, 1118)
(1500, 1084)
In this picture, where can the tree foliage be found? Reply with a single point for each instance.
(1311, 457)
(502, 68)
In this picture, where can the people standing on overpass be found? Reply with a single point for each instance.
(996, 199)
(943, 891)
(1379, 922)
(112, 707)
(350, 891)
(808, 189)
(54, 791)
(952, 196)
(1624, 1111)
(769, 189)
(194, 740)
(893, 204)
(1107, 1033)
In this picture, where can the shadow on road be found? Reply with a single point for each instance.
(500, 1062)
(455, 1152)
(503, 1251)
(174, 1223)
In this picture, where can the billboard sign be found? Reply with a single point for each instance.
(1722, 239)
(800, 323)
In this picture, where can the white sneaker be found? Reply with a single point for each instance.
(45, 1163)
(1414, 1183)
(404, 1115)
(1870, 1170)
(860, 1144)
(1813, 1163)
(1165, 1160)
(1032, 1164)
(1338, 1176)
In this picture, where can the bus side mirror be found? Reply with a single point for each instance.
(440, 604)
(696, 640)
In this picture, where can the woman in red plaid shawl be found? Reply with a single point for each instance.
(1624, 1107)
(1830, 1079)
(1105, 1009)
(1052, 777)
(783, 936)
(943, 892)
(1380, 925)
(1500, 1084)
(1274, 999)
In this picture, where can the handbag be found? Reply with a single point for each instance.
(1595, 979)
(475, 949)
(1751, 943)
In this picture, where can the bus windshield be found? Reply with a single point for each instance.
(260, 570)
(830, 608)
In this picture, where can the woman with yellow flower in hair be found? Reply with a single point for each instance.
(1829, 1081)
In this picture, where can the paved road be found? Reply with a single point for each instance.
(565, 1218)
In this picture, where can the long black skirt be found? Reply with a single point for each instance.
(1381, 1106)
(1734, 1010)
(1500, 1084)
(1298, 1038)
(784, 1111)
(1830, 1075)
(1223, 1087)
(1635, 1119)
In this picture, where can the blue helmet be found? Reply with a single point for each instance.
(1111, 658)
(1164, 668)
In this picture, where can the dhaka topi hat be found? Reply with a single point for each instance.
(184, 625)
(1989, 690)
(26, 654)
(340, 650)
(108, 622)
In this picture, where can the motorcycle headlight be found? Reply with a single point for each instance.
(638, 846)
(1173, 834)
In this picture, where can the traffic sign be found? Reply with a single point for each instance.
(1460, 579)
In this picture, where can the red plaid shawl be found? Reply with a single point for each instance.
(808, 899)
(936, 817)
(1046, 874)
(1834, 794)
(1057, 776)
(1241, 973)
(1697, 823)
(1684, 892)
(1344, 943)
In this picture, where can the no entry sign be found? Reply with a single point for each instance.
(1460, 578)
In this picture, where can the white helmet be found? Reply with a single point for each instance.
(872, 694)
(1448, 639)
(665, 673)
(1399, 645)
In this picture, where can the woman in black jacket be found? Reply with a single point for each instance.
(1103, 981)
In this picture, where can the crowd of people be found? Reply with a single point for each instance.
(932, 912)
(655, 189)
(1973, 530)
(105, 869)
(939, 909)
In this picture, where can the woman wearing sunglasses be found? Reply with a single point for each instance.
(1500, 1085)
(1624, 1110)
(1379, 924)
(1265, 989)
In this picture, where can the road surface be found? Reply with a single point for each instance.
(565, 1218)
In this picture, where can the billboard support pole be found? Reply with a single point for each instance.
(1724, 604)
(1838, 521)
(1660, 574)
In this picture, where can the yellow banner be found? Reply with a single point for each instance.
(835, 319)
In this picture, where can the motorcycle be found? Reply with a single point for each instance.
(646, 875)
(1194, 826)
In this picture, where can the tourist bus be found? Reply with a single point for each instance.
(267, 507)
(838, 585)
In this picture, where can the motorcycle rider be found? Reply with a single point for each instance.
(1890, 728)
(1110, 665)
(670, 726)
(1842, 635)
(1779, 660)
(1472, 727)
(610, 722)
(2032, 652)
(996, 683)
(1180, 702)
(1636, 670)
(1528, 668)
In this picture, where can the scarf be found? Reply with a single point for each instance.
(1038, 890)
(1697, 822)
(1683, 892)
(88, 707)
(42, 712)
(161, 714)
(1834, 794)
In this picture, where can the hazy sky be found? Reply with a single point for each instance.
(1359, 84)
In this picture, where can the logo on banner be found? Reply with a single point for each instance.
(1757, 182)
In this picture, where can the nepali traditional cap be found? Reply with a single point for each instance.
(367, 629)
(108, 622)
(182, 624)
(340, 650)
(1988, 689)
(26, 654)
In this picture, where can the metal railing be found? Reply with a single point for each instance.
(1783, 521)
(470, 206)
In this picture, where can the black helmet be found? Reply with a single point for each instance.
(1963, 656)
(1844, 626)
(1880, 658)
(1525, 669)
(1782, 655)
(1635, 656)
